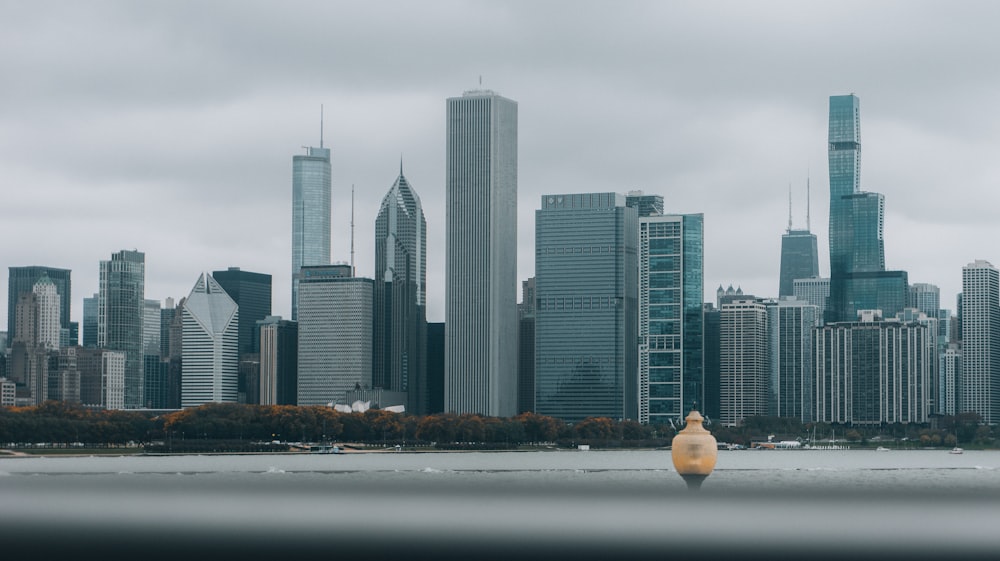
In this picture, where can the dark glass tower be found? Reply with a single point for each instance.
(23, 279)
(252, 293)
(799, 259)
(400, 361)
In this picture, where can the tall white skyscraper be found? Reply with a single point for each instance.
(48, 313)
(311, 200)
(210, 358)
(481, 255)
(120, 307)
(980, 374)
(743, 373)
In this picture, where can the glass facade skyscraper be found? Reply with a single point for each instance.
(120, 305)
(311, 207)
(671, 319)
(252, 293)
(790, 323)
(858, 279)
(481, 255)
(400, 316)
(799, 259)
(586, 314)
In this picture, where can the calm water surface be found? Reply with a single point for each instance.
(509, 505)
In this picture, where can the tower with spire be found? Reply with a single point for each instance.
(799, 254)
(399, 314)
(311, 208)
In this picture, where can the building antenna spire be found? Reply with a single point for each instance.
(789, 206)
(808, 227)
(320, 125)
(352, 229)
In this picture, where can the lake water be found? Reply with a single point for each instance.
(595, 504)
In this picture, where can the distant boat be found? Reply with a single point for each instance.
(881, 449)
(956, 450)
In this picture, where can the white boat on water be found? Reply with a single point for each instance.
(881, 449)
(956, 450)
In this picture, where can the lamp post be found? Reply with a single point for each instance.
(694, 451)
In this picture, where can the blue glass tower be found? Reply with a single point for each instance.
(311, 200)
(671, 319)
(586, 314)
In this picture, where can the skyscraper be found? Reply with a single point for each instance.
(979, 385)
(121, 298)
(90, 321)
(586, 317)
(279, 356)
(743, 352)
(48, 313)
(790, 324)
(311, 200)
(671, 319)
(335, 334)
(481, 255)
(400, 312)
(23, 279)
(799, 256)
(858, 279)
(210, 363)
(252, 294)
(526, 348)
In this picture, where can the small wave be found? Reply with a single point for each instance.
(430, 470)
(272, 469)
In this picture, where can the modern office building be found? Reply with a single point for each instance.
(814, 290)
(645, 205)
(712, 366)
(311, 208)
(526, 348)
(481, 255)
(744, 362)
(858, 279)
(90, 321)
(790, 324)
(23, 279)
(671, 322)
(874, 371)
(400, 307)
(335, 334)
(799, 259)
(435, 366)
(279, 358)
(120, 305)
(252, 294)
(102, 378)
(210, 370)
(949, 380)
(980, 317)
(586, 314)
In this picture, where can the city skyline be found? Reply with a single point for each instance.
(178, 146)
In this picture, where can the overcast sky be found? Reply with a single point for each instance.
(169, 127)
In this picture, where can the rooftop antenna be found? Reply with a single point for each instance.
(789, 206)
(320, 125)
(807, 201)
(352, 229)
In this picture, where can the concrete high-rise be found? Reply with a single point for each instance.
(790, 324)
(335, 334)
(279, 356)
(481, 255)
(311, 207)
(743, 357)
(979, 383)
(875, 371)
(586, 316)
(48, 313)
(120, 306)
(671, 319)
(400, 307)
(210, 361)
(23, 279)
